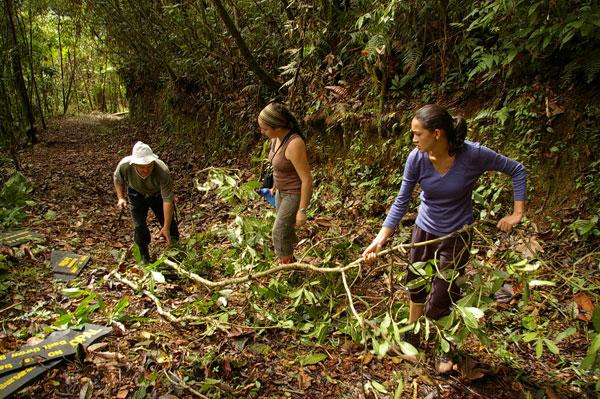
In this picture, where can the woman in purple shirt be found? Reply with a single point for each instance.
(446, 167)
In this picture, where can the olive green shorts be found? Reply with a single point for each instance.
(284, 232)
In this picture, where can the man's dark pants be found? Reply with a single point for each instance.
(139, 205)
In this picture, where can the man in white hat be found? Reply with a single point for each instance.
(146, 181)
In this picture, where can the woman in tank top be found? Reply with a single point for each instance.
(292, 180)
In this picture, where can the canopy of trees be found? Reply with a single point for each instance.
(195, 58)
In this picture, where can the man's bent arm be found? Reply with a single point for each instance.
(168, 211)
(121, 190)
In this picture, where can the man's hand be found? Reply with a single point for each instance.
(507, 222)
(121, 203)
(165, 232)
(300, 218)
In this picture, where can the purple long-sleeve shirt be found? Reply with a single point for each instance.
(446, 203)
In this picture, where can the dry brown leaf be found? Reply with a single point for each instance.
(34, 340)
(304, 380)
(468, 369)
(111, 355)
(323, 221)
(584, 302)
(95, 347)
(584, 317)
(367, 358)
(529, 246)
(122, 394)
(237, 331)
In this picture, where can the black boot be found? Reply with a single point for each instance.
(145, 255)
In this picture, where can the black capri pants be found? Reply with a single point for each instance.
(451, 256)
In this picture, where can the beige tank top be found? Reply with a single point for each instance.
(284, 174)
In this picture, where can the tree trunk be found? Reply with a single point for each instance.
(103, 92)
(62, 67)
(239, 40)
(87, 90)
(8, 132)
(18, 72)
(31, 69)
(73, 68)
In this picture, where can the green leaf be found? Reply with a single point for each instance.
(596, 318)
(562, 335)
(137, 254)
(552, 346)
(63, 320)
(122, 304)
(445, 345)
(74, 292)
(51, 215)
(529, 322)
(378, 387)
(380, 348)
(313, 358)
(476, 312)
(385, 324)
(408, 349)
(588, 361)
(539, 348)
(530, 336)
(399, 388)
(595, 344)
(469, 318)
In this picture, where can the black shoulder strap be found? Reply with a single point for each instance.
(287, 136)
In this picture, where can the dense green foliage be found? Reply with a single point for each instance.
(216, 62)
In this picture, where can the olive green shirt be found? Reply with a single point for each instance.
(159, 181)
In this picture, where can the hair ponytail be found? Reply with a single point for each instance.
(433, 116)
(456, 141)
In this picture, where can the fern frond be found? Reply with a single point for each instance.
(591, 66)
(411, 58)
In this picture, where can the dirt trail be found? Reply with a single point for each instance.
(71, 172)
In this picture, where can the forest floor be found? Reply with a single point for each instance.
(242, 350)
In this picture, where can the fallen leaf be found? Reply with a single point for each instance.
(529, 246)
(367, 358)
(238, 331)
(584, 302)
(323, 221)
(122, 394)
(34, 340)
(504, 294)
(95, 347)
(304, 380)
(86, 390)
(468, 369)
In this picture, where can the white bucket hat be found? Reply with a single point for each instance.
(142, 154)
